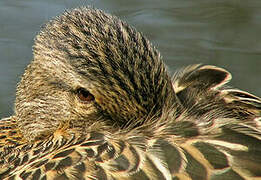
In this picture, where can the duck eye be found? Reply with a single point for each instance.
(85, 95)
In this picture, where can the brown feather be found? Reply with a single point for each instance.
(130, 121)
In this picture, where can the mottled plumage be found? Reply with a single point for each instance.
(97, 103)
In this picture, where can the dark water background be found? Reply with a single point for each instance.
(225, 33)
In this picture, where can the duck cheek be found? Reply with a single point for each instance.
(82, 110)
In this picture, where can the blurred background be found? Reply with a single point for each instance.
(225, 33)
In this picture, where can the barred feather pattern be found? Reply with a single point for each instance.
(205, 131)
(209, 145)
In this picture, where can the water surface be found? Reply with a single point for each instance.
(224, 33)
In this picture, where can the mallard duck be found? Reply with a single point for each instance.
(97, 102)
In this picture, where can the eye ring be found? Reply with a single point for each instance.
(84, 95)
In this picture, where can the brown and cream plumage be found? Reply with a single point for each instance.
(97, 102)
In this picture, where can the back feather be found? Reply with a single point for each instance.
(215, 134)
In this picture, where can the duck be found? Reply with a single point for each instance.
(97, 102)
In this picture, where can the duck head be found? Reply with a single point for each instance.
(90, 67)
